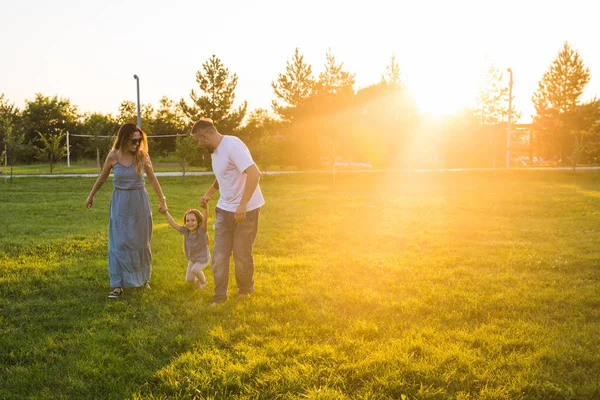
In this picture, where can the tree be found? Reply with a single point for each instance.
(463, 143)
(392, 75)
(261, 135)
(334, 80)
(386, 116)
(102, 128)
(9, 116)
(555, 99)
(492, 111)
(259, 124)
(586, 131)
(269, 149)
(332, 104)
(52, 149)
(128, 114)
(185, 151)
(13, 143)
(48, 116)
(492, 97)
(293, 87)
(216, 102)
(169, 120)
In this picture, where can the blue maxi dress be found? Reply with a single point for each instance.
(129, 230)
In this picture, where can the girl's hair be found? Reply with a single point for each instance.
(125, 133)
(198, 214)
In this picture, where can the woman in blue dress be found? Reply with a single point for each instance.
(130, 226)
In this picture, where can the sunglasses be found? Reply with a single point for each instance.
(136, 142)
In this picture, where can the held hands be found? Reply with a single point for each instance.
(162, 207)
(204, 201)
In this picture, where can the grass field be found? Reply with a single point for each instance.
(445, 285)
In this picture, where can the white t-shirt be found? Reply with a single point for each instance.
(229, 161)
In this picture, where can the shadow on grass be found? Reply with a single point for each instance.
(61, 337)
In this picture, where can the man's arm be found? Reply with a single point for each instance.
(205, 219)
(252, 178)
(211, 190)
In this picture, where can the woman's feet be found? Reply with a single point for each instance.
(115, 293)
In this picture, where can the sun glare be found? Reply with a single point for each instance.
(445, 89)
(439, 98)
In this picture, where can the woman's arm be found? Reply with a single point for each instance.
(162, 206)
(108, 164)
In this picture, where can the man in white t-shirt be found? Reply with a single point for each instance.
(237, 210)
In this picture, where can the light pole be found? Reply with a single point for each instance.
(508, 129)
(68, 151)
(139, 117)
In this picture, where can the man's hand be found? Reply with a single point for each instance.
(240, 214)
(89, 202)
(204, 201)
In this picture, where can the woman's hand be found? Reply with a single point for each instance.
(162, 206)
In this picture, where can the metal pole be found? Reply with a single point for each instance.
(508, 130)
(68, 151)
(139, 117)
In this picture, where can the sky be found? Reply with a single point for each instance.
(88, 52)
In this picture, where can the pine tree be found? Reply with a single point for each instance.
(216, 102)
(334, 80)
(392, 75)
(292, 87)
(492, 97)
(556, 99)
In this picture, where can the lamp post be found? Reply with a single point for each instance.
(139, 117)
(68, 151)
(508, 129)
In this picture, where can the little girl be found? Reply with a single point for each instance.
(195, 240)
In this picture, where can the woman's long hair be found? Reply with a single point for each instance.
(140, 157)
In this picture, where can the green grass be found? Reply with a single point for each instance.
(445, 285)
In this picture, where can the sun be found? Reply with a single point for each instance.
(439, 98)
(444, 90)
